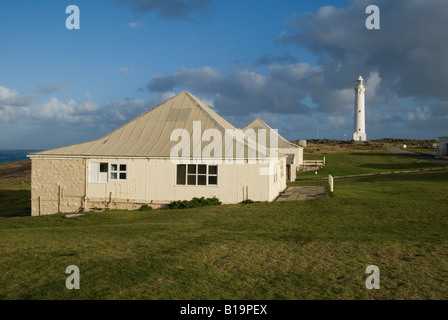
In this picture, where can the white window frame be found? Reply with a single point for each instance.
(119, 171)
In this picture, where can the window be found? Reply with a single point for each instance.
(196, 175)
(191, 176)
(181, 174)
(213, 175)
(118, 172)
(98, 172)
(202, 175)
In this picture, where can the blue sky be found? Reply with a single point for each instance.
(292, 63)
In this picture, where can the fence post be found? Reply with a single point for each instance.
(59, 199)
(331, 182)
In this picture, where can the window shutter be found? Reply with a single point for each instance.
(94, 169)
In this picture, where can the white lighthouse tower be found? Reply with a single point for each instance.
(359, 133)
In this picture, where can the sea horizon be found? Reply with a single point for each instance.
(13, 155)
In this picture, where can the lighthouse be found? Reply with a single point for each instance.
(359, 133)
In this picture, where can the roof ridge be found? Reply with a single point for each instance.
(197, 102)
(278, 134)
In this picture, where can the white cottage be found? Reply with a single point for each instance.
(293, 152)
(176, 151)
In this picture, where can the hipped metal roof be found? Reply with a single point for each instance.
(149, 134)
(258, 124)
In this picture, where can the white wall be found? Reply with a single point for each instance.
(298, 159)
(154, 181)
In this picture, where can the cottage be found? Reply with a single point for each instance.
(176, 151)
(293, 152)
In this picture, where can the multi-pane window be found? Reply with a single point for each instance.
(197, 174)
(118, 171)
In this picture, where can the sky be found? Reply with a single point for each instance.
(294, 64)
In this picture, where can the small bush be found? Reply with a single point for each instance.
(195, 203)
(249, 201)
(145, 207)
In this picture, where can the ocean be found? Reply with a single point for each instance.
(14, 155)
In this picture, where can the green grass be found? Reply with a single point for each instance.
(285, 250)
(421, 150)
(15, 189)
(344, 164)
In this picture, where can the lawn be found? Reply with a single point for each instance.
(284, 250)
(356, 163)
(15, 194)
(422, 150)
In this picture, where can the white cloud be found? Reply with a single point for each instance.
(420, 113)
(126, 70)
(16, 108)
(167, 95)
(325, 12)
(372, 83)
(135, 25)
(6, 93)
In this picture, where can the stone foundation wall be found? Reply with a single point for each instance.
(122, 205)
(57, 185)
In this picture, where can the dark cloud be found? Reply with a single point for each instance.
(204, 78)
(19, 101)
(403, 64)
(49, 88)
(409, 51)
(242, 91)
(171, 9)
(270, 59)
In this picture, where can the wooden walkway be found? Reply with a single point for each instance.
(304, 193)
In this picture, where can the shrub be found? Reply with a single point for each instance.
(195, 203)
(145, 207)
(249, 201)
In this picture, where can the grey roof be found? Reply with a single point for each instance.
(260, 124)
(149, 134)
